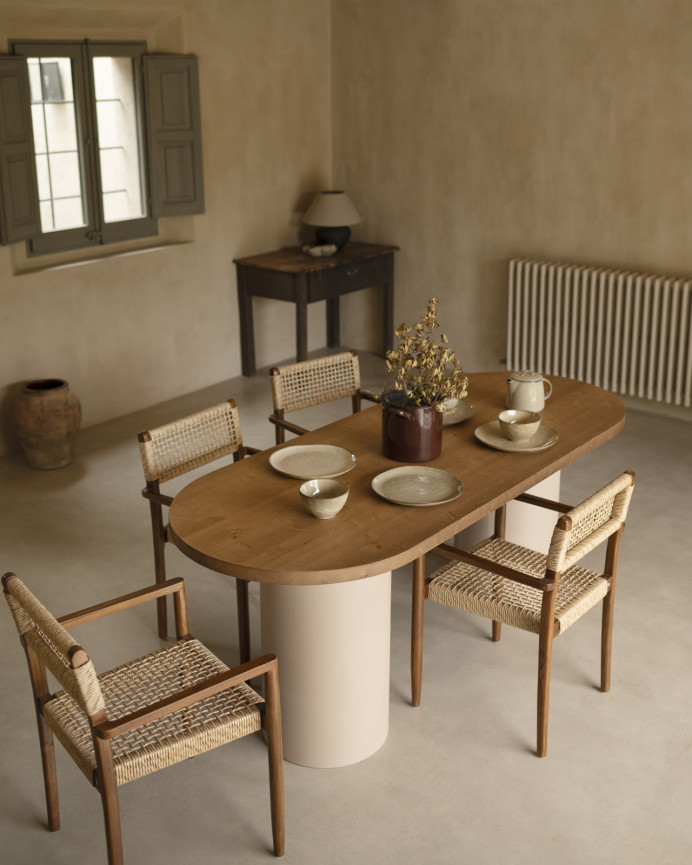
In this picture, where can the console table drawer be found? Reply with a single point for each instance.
(354, 276)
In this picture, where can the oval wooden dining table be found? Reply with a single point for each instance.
(326, 584)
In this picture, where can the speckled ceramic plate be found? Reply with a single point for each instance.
(462, 411)
(312, 461)
(417, 486)
(491, 434)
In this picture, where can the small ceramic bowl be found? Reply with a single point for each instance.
(324, 497)
(518, 425)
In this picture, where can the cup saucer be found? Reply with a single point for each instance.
(491, 435)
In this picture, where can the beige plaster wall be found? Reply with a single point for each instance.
(133, 330)
(469, 132)
(466, 132)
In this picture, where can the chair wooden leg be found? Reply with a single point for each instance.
(159, 533)
(497, 629)
(276, 766)
(241, 588)
(50, 776)
(109, 799)
(39, 686)
(606, 638)
(607, 614)
(417, 629)
(545, 651)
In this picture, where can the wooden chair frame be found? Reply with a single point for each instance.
(548, 585)
(105, 730)
(230, 445)
(314, 382)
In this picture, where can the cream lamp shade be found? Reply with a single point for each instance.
(332, 212)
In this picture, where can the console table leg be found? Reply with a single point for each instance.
(302, 318)
(247, 331)
(333, 322)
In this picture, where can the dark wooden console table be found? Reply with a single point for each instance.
(289, 274)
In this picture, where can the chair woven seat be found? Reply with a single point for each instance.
(477, 591)
(183, 734)
(149, 713)
(543, 594)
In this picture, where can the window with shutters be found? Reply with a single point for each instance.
(97, 140)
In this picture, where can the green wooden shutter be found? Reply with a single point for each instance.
(19, 213)
(174, 132)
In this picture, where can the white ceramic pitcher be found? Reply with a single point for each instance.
(527, 391)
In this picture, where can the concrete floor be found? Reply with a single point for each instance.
(457, 780)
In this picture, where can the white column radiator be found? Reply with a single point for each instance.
(626, 332)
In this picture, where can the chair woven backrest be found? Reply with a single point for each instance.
(591, 523)
(54, 646)
(178, 447)
(313, 382)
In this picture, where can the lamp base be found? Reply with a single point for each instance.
(326, 234)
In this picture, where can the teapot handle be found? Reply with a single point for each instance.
(550, 387)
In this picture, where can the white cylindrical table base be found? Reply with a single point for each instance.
(527, 525)
(332, 642)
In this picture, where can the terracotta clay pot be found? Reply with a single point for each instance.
(46, 417)
(411, 433)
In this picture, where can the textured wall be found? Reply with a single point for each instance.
(135, 330)
(468, 132)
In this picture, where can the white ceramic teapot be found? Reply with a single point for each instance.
(527, 391)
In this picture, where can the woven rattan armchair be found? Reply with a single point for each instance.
(542, 594)
(175, 703)
(172, 450)
(314, 382)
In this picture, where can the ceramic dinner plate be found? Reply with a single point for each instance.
(417, 486)
(491, 434)
(462, 411)
(312, 461)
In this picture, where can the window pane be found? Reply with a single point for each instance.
(118, 132)
(34, 79)
(56, 143)
(68, 212)
(39, 124)
(46, 208)
(64, 171)
(61, 127)
(43, 177)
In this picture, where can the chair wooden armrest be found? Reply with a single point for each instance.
(540, 502)
(248, 451)
(123, 602)
(369, 395)
(449, 552)
(186, 697)
(287, 425)
(159, 498)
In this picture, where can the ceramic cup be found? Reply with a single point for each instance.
(518, 425)
(324, 497)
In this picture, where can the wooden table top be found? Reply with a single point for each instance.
(292, 259)
(246, 520)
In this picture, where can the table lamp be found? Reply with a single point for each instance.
(332, 213)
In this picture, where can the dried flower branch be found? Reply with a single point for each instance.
(425, 372)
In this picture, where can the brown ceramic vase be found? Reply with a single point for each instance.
(411, 433)
(46, 417)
